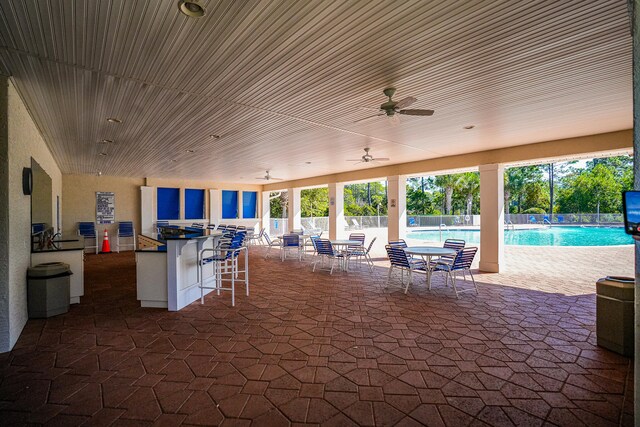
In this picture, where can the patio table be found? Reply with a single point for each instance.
(340, 243)
(427, 252)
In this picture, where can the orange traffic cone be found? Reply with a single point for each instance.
(106, 247)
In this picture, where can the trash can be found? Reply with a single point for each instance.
(48, 289)
(615, 314)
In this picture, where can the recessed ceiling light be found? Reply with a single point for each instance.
(308, 163)
(214, 136)
(105, 141)
(173, 160)
(103, 154)
(468, 127)
(191, 9)
(113, 120)
(190, 151)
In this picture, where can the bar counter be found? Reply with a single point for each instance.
(167, 271)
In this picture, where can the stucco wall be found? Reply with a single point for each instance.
(80, 201)
(24, 142)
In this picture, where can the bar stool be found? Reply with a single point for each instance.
(224, 259)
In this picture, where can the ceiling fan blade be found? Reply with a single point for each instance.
(276, 179)
(354, 160)
(381, 159)
(404, 103)
(369, 118)
(416, 112)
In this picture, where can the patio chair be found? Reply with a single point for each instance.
(326, 251)
(532, 219)
(225, 262)
(197, 225)
(400, 243)
(160, 224)
(88, 231)
(291, 243)
(364, 253)
(455, 244)
(256, 238)
(400, 260)
(462, 262)
(125, 230)
(360, 237)
(271, 244)
(211, 227)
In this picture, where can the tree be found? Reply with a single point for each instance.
(447, 183)
(515, 182)
(469, 185)
(593, 190)
(314, 202)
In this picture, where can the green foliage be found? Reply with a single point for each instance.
(314, 202)
(594, 189)
(534, 211)
(524, 188)
(365, 199)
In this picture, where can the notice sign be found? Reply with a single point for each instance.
(105, 207)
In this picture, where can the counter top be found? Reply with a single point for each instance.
(62, 245)
(172, 233)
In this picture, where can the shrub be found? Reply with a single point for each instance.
(535, 211)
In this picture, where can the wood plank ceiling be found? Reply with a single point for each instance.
(282, 82)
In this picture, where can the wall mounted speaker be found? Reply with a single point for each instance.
(27, 181)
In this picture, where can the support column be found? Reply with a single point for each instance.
(215, 206)
(336, 210)
(295, 211)
(396, 207)
(265, 216)
(634, 11)
(491, 218)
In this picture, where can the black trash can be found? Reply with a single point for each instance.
(48, 289)
(615, 314)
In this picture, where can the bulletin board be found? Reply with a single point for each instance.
(105, 207)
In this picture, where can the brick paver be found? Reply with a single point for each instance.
(333, 350)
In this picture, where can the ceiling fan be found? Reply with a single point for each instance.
(391, 108)
(268, 177)
(367, 158)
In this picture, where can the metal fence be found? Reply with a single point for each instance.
(363, 222)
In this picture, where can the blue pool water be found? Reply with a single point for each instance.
(553, 236)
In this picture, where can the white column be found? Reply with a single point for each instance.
(336, 210)
(491, 217)
(148, 210)
(265, 217)
(294, 209)
(397, 207)
(215, 206)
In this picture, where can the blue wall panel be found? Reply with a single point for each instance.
(193, 204)
(229, 204)
(168, 203)
(249, 204)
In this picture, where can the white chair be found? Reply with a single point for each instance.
(271, 244)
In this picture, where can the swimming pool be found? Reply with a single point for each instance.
(553, 236)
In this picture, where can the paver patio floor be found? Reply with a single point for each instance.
(310, 348)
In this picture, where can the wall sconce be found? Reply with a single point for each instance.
(27, 181)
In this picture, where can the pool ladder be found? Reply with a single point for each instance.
(441, 226)
(509, 225)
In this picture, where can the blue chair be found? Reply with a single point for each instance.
(400, 243)
(125, 230)
(462, 262)
(88, 231)
(224, 259)
(532, 219)
(400, 260)
(455, 244)
(560, 218)
(197, 225)
(364, 253)
(412, 222)
(325, 251)
(38, 227)
(291, 242)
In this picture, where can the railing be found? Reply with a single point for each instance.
(280, 225)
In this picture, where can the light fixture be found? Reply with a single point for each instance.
(308, 163)
(99, 173)
(467, 127)
(113, 120)
(214, 136)
(191, 9)
(105, 141)
(173, 160)
(103, 154)
(190, 151)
